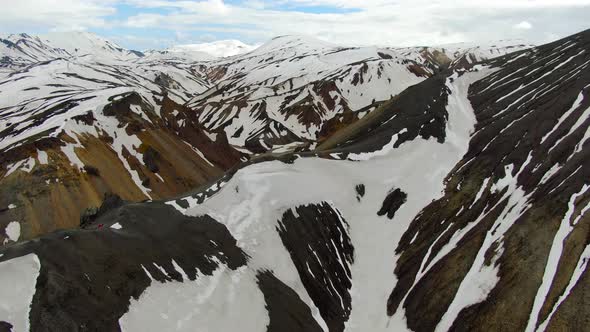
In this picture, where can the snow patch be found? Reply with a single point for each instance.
(227, 300)
(212, 136)
(12, 231)
(42, 157)
(70, 152)
(18, 278)
(220, 48)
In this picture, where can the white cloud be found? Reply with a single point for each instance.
(143, 43)
(454, 3)
(210, 7)
(256, 4)
(383, 22)
(55, 14)
(524, 25)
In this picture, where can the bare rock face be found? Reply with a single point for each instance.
(150, 159)
(394, 200)
(90, 215)
(360, 191)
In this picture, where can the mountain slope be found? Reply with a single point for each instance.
(460, 204)
(511, 228)
(296, 90)
(74, 130)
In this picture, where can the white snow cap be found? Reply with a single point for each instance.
(13, 230)
(219, 49)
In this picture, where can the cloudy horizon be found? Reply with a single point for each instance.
(147, 24)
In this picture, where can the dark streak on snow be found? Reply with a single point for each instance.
(287, 312)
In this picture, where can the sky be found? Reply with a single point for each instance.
(153, 24)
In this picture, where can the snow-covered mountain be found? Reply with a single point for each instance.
(219, 49)
(296, 90)
(331, 189)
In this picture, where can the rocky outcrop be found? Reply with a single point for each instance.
(512, 221)
(393, 201)
(119, 241)
(317, 240)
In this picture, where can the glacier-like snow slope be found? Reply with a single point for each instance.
(17, 288)
(253, 201)
(196, 305)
